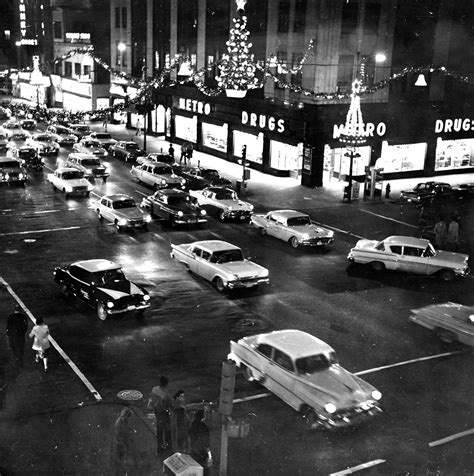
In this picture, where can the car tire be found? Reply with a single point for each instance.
(310, 418)
(219, 284)
(104, 179)
(65, 289)
(119, 228)
(101, 311)
(222, 215)
(446, 336)
(262, 231)
(294, 242)
(99, 215)
(446, 275)
(377, 266)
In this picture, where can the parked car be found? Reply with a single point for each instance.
(62, 135)
(12, 171)
(122, 211)
(102, 284)
(176, 207)
(409, 254)
(426, 192)
(157, 175)
(224, 202)
(293, 227)
(43, 143)
(126, 150)
(451, 322)
(89, 164)
(28, 124)
(155, 157)
(70, 181)
(198, 178)
(104, 139)
(79, 130)
(221, 263)
(90, 146)
(304, 372)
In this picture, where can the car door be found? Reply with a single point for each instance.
(391, 257)
(79, 283)
(107, 209)
(206, 268)
(281, 374)
(271, 225)
(413, 261)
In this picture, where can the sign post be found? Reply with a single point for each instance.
(226, 399)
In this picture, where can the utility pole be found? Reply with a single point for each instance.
(226, 400)
(145, 113)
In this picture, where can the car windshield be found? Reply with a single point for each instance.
(315, 363)
(429, 251)
(42, 138)
(81, 128)
(162, 170)
(128, 203)
(177, 201)
(299, 221)
(72, 175)
(110, 276)
(131, 146)
(209, 173)
(12, 164)
(90, 162)
(227, 256)
(103, 136)
(226, 195)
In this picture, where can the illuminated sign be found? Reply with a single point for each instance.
(22, 9)
(370, 129)
(193, 105)
(454, 125)
(263, 121)
(77, 36)
(28, 41)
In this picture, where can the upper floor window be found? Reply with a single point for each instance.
(120, 17)
(283, 16)
(300, 15)
(57, 30)
(350, 17)
(372, 18)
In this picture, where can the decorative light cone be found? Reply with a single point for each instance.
(236, 93)
(421, 81)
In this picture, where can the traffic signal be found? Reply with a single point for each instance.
(244, 152)
(226, 397)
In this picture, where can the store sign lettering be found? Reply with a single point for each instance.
(370, 129)
(454, 125)
(263, 122)
(192, 105)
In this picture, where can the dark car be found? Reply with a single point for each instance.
(426, 193)
(79, 130)
(176, 207)
(28, 124)
(198, 178)
(102, 284)
(126, 150)
(12, 171)
(29, 157)
(62, 135)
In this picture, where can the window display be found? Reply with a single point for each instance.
(158, 120)
(214, 136)
(285, 156)
(402, 157)
(454, 154)
(254, 145)
(186, 128)
(337, 163)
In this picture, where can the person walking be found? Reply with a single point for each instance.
(138, 131)
(171, 151)
(105, 121)
(184, 153)
(17, 325)
(189, 152)
(40, 335)
(440, 232)
(160, 402)
(179, 422)
(200, 440)
(452, 238)
(123, 444)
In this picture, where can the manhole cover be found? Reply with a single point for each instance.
(130, 395)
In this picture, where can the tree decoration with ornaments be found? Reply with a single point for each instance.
(237, 68)
(354, 133)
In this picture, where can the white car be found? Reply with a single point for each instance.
(224, 201)
(304, 372)
(409, 254)
(122, 211)
(70, 181)
(103, 138)
(90, 146)
(43, 143)
(221, 263)
(293, 227)
(157, 175)
(89, 164)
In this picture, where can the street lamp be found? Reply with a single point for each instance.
(36, 78)
(121, 47)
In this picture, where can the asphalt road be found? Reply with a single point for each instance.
(185, 334)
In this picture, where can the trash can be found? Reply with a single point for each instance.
(181, 464)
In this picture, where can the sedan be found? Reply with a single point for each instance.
(90, 146)
(104, 139)
(28, 124)
(293, 227)
(198, 178)
(62, 135)
(126, 150)
(155, 157)
(43, 143)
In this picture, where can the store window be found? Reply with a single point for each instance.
(186, 128)
(300, 15)
(285, 157)
(283, 16)
(338, 164)
(454, 154)
(402, 157)
(67, 69)
(254, 145)
(214, 136)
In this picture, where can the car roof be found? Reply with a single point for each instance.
(117, 197)
(295, 343)
(172, 192)
(215, 245)
(219, 189)
(9, 159)
(66, 169)
(288, 213)
(82, 155)
(94, 265)
(406, 241)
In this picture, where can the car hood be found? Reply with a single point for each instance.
(235, 205)
(170, 178)
(75, 182)
(130, 213)
(457, 314)
(366, 244)
(244, 269)
(120, 289)
(312, 230)
(450, 258)
(10, 170)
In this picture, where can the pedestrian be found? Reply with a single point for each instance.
(200, 439)
(184, 153)
(452, 239)
(138, 131)
(123, 443)
(105, 122)
(40, 335)
(189, 152)
(179, 422)
(17, 325)
(171, 151)
(440, 234)
(160, 402)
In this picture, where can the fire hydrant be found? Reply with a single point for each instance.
(387, 191)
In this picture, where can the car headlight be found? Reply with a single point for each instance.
(68, 188)
(88, 171)
(110, 304)
(376, 395)
(183, 182)
(203, 212)
(148, 218)
(21, 176)
(251, 208)
(305, 236)
(89, 187)
(146, 297)
(229, 208)
(180, 213)
(122, 222)
(163, 181)
(330, 407)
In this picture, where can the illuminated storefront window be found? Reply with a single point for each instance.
(402, 157)
(186, 128)
(337, 163)
(285, 156)
(215, 137)
(254, 145)
(454, 154)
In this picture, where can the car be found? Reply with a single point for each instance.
(176, 207)
(293, 227)
(89, 164)
(90, 146)
(62, 135)
(28, 157)
(126, 150)
(409, 254)
(426, 192)
(198, 178)
(224, 202)
(3, 141)
(451, 322)
(155, 157)
(122, 211)
(11, 127)
(17, 139)
(70, 181)
(102, 284)
(28, 124)
(43, 143)
(79, 130)
(104, 139)
(4, 113)
(12, 171)
(304, 372)
(157, 175)
(221, 263)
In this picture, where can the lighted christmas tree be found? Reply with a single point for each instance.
(354, 128)
(237, 68)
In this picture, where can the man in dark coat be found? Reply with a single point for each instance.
(200, 437)
(17, 325)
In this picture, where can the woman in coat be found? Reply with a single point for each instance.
(40, 334)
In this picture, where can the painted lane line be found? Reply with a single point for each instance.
(45, 211)
(407, 362)
(32, 232)
(451, 438)
(375, 462)
(389, 219)
(215, 235)
(251, 397)
(60, 351)
(141, 193)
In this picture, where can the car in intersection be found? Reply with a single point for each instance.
(104, 139)
(43, 143)
(62, 135)
(155, 157)
(89, 164)
(157, 175)
(411, 255)
(28, 157)
(70, 181)
(122, 211)
(103, 285)
(17, 139)
(224, 202)
(221, 263)
(3, 141)
(90, 146)
(28, 124)
(198, 178)
(11, 127)
(126, 150)
(79, 130)
(305, 373)
(292, 227)
(426, 193)
(12, 171)
(176, 207)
